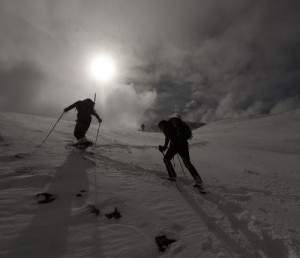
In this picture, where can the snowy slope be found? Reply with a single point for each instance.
(250, 166)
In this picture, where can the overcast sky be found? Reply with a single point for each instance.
(203, 59)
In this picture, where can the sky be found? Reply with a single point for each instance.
(203, 59)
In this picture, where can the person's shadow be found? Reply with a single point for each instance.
(46, 235)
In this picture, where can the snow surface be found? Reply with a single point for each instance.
(250, 167)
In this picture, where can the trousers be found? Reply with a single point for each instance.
(180, 147)
(80, 130)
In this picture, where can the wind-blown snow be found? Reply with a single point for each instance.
(250, 167)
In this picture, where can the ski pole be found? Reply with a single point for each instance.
(37, 147)
(51, 130)
(179, 163)
(162, 152)
(181, 166)
(95, 99)
(168, 167)
(97, 135)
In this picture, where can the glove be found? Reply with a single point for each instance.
(100, 120)
(161, 148)
(65, 110)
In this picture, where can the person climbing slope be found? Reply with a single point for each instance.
(177, 133)
(85, 108)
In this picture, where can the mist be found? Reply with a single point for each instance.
(205, 60)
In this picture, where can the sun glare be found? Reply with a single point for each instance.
(102, 68)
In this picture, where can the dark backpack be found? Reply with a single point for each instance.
(182, 130)
(86, 106)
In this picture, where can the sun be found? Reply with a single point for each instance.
(102, 68)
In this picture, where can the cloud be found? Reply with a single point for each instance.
(239, 58)
(286, 105)
(123, 106)
(20, 87)
(205, 59)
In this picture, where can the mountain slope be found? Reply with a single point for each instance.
(250, 167)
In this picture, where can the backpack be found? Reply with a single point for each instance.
(86, 106)
(182, 130)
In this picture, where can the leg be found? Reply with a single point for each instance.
(167, 160)
(80, 130)
(185, 156)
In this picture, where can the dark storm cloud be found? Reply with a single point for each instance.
(240, 58)
(206, 60)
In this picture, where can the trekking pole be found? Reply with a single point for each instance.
(169, 175)
(181, 166)
(38, 146)
(97, 135)
(51, 130)
(162, 152)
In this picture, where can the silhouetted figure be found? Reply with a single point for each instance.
(143, 127)
(177, 133)
(85, 109)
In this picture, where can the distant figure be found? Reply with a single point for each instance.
(85, 109)
(177, 133)
(143, 127)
